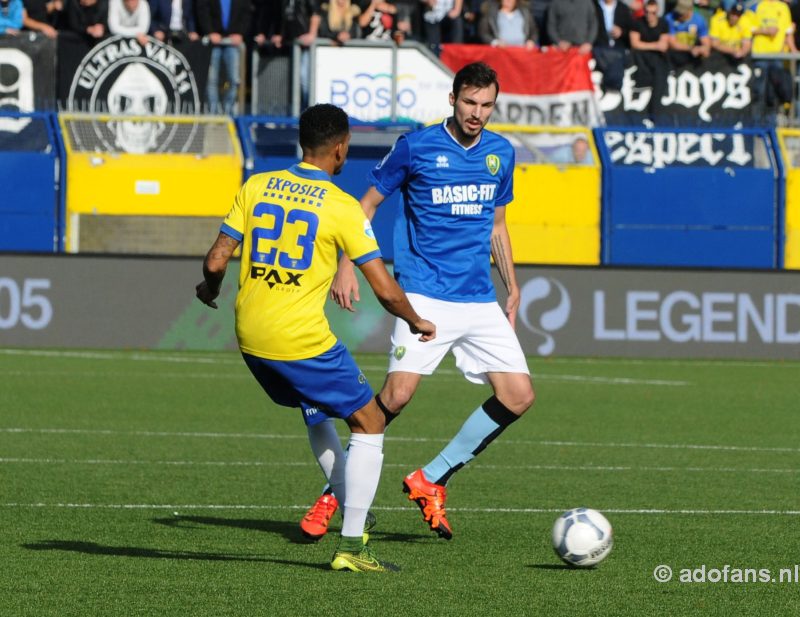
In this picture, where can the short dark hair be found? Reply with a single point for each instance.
(321, 125)
(478, 75)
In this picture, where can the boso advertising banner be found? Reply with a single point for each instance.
(536, 87)
(359, 80)
(85, 302)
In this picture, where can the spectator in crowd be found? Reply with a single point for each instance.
(708, 8)
(688, 34)
(572, 23)
(225, 23)
(637, 7)
(577, 153)
(295, 21)
(441, 22)
(173, 20)
(614, 23)
(339, 21)
(470, 16)
(773, 33)
(88, 18)
(794, 12)
(42, 16)
(11, 14)
(731, 32)
(406, 22)
(377, 20)
(650, 42)
(507, 23)
(129, 18)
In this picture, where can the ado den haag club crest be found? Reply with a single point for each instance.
(493, 163)
(120, 77)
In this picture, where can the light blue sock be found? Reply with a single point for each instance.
(475, 434)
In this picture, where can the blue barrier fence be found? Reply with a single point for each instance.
(697, 198)
(670, 197)
(31, 183)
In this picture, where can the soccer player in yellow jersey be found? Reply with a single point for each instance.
(291, 225)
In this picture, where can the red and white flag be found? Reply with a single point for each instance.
(536, 87)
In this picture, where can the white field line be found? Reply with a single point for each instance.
(163, 356)
(614, 381)
(449, 373)
(559, 444)
(600, 468)
(176, 508)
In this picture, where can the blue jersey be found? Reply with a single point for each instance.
(442, 237)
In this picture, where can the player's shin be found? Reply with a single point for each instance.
(485, 424)
(362, 474)
(331, 457)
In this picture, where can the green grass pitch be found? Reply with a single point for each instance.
(139, 483)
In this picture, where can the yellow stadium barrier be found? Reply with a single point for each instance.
(150, 166)
(555, 215)
(790, 151)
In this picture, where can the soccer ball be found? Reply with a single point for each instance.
(582, 537)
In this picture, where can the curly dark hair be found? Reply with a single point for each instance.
(322, 125)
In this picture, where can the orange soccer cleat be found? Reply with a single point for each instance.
(430, 498)
(315, 523)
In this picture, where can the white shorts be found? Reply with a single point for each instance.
(479, 334)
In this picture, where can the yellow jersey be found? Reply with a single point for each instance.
(292, 225)
(721, 29)
(771, 13)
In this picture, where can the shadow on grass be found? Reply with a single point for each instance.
(93, 548)
(290, 530)
(554, 566)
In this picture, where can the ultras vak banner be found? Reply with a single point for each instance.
(536, 87)
(121, 76)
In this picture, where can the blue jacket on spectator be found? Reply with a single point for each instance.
(161, 16)
(10, 16)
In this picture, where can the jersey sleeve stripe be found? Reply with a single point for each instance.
(230, 231)
(367, 257)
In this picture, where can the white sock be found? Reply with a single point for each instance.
(327, 448)
(362, 473)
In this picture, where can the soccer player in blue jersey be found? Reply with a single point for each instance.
(291, 225)
(456, 180)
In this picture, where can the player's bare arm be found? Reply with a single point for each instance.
(394, 299)
(504, 262)
(214, 266)
(344, 289)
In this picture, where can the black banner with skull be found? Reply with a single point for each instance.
(712, 91)
(122, 77)
(27, 73)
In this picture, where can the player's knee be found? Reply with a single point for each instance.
(396, 396)
(369, 419)
(520, 399)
